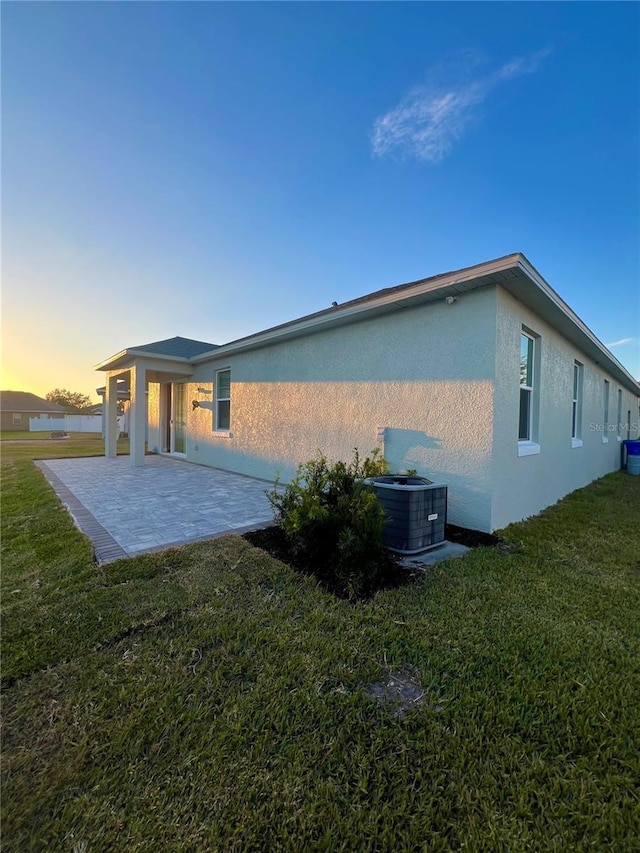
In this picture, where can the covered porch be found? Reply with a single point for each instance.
(167, 363)
(139, 375)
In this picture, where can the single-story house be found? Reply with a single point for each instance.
(122, 405)
(17, 407)
(95, 410)
(482, 378)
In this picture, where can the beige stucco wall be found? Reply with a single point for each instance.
(154, 416)
(522, 486)
(332, 390)
(443, 380)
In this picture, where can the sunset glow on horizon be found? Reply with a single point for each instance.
(209, 170)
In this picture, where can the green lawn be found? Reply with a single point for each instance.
(209, 698)
(40, 445)
(23, 435)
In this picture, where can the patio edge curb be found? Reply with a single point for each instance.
(105, 547)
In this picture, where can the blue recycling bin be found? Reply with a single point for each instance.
(632, 449)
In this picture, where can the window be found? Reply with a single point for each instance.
(223, 400)
(17, 419)
(529, 414)
(619, 420)
(605, 431)
(526, 387)
(576, 412)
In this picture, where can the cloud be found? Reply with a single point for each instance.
(623, 342)
(430, 119)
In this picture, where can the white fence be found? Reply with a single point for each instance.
(71, 423)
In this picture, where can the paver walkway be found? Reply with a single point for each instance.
(126, 510)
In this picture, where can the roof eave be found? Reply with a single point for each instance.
(575, 329)
(122, 358)
(506, 272)
(510, 272)
(421, 291)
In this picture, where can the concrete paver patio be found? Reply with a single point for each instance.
(126, 510)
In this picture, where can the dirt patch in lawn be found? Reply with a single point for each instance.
(400, 690)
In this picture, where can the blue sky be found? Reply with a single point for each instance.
(212, 169)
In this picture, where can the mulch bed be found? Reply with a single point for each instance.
(274, 542)
(471, 538)
(393, 575)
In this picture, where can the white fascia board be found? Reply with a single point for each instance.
(127, 355)
(509, 272)
(582, 335)
(108, 362)
(421, 291)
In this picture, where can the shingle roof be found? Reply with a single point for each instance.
(181, 347)
(513, 272)
(24, 401)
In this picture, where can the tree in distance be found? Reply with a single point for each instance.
(72, 401)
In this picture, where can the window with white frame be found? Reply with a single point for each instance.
(527, 379)
(619, 416)
(576, 412)
(223, 400)
(605, 432)
(17, 419)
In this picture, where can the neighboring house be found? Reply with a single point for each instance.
(123, 396)
(18, 406)
(122, 406)
(93, 409)
(483, 379)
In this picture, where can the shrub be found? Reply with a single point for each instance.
(334, 522)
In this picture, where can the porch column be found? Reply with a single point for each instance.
(110, 417)
(137, 415)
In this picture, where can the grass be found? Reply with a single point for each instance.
(22, 435)
(40, 445)
(210, 698)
